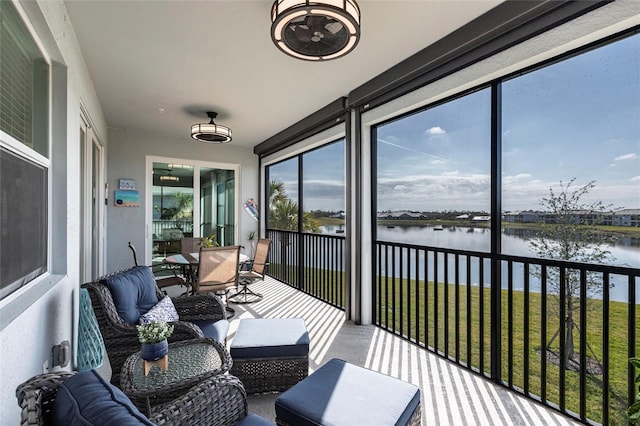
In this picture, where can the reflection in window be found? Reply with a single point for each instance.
(433, 174)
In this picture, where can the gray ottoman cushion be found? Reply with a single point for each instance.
(339, 393)
(270, 338)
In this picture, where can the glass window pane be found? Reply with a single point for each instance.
(571, 158)
(172, 208)
(433, 174)
(23, 222)
(283, 195)
(24, 83)
(217, 205)
(323, 197)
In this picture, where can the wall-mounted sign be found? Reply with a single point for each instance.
(127, 184)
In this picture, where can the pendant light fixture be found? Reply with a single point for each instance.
(211, 132)
(315, 30)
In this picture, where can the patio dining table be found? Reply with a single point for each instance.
(189, 263)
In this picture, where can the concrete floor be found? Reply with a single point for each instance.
(450, 395)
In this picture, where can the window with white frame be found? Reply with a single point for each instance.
(24, 153)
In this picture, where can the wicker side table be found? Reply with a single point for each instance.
(190, 362)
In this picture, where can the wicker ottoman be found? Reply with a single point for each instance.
(339, 393)
(270, 355)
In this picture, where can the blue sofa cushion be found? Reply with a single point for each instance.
(163, 311)
(87, 399)
(343, 393)
(216, 330)
(133, 292)
(253, 420)
(270, 337)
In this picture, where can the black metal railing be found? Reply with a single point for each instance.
(441, 299)
(312, 263)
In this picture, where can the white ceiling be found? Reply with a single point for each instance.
(158, 66)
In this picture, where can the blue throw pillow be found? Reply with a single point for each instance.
(163, 311)
(87, 399)
(133, 292)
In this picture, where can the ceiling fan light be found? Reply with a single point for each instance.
(347, 23)
(328, 29)
(277, 32)
(211, 132)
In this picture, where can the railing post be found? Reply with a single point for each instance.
(496, 231)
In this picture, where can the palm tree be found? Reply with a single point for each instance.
(283, 212)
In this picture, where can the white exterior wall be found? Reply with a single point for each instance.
(26, 341)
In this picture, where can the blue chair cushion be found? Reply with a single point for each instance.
(343, 393)
(216, 330)
(133, 292)
(253, 420)
(270, 337)
(87, 399)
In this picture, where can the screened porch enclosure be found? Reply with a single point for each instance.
(430, 297)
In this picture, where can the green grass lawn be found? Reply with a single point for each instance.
(415, 317)
(409, 301)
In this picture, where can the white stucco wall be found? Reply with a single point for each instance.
(127, 155)
(26, 341)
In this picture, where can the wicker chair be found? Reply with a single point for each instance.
(121, 338)
(219, 400)
(161, 282)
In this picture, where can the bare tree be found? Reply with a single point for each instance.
(570, 233)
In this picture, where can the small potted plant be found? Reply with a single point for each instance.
(154, 340)
(209, 241)
(252, 237)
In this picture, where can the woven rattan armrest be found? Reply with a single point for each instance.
(36, 397)
(219, 400)
(200, 307)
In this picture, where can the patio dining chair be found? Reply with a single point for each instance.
(161, 282)
(218, 271)
(255, 274)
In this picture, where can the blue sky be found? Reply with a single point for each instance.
(324, 177)
(576, 119)
(579, 118)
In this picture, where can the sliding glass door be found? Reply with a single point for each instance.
(189, 199)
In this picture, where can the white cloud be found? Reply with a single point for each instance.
(436, 130)
(519, 176)
(635, 179)
(630, 156)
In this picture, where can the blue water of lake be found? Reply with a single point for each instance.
(624, 252)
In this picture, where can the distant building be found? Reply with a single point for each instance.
(623, 217)
(626, 217)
